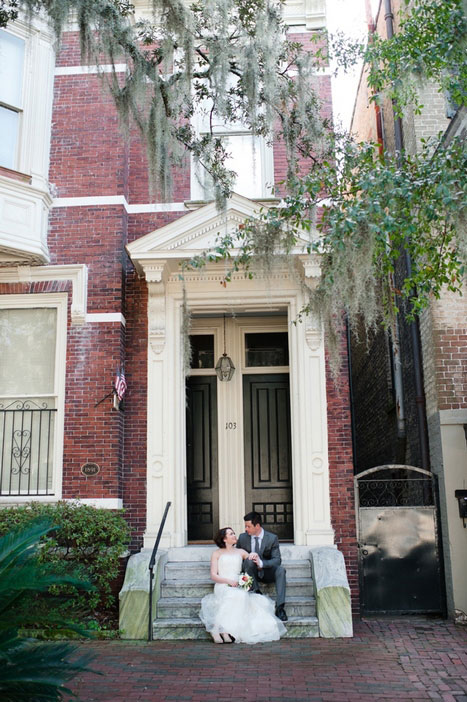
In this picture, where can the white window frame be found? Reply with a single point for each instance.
(33, 139)
(25, 201)
(264, 154)
(17, 109)
(57, 301)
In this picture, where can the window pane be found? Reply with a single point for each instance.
(9, 122)
(270, 349)
(246, 158)
(202, 350)
(11, 69)
(27, 350)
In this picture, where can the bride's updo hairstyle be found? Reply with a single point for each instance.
(220, 536)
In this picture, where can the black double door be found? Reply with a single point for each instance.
(267, 452)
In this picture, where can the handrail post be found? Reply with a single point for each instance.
(151, 568)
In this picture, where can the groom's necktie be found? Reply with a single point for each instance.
(256, 549)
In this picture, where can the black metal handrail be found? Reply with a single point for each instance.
(151, 568)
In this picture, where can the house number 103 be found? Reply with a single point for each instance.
(231, 425)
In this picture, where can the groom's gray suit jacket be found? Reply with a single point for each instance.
(272, 570)
(269, 551)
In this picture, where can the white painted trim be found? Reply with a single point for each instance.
(119, 200)
(89, 70)
(156, 207)
(59, 302)
(111, 200)
(102, 502)
(76, 273)
(13, 500)
(92, 317)
(454, 416)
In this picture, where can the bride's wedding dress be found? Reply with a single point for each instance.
(247, 616)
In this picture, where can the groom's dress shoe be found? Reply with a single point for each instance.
(281, 614)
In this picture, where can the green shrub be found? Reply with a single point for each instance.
(87, 540)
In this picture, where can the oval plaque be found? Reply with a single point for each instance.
(90, 469)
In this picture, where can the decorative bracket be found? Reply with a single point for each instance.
(313, 337)
(311, 269)
(156, 273)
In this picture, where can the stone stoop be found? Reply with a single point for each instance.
(186, 581)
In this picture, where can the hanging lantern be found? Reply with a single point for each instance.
(224, 366)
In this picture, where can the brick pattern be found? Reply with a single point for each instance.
(94, 352)
(87, 154)
(407, 659)
(341, 472)
(43, 286)
(135, 450)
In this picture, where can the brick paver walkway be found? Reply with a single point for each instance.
(388, 659)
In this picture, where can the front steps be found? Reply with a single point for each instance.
(186, 580)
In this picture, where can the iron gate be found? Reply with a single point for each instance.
(399, 559)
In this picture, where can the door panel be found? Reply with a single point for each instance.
(268, 456)
(202, 472)
(399, 558)
(399, 561)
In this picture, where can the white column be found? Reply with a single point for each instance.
(312, 519)
(163, 484)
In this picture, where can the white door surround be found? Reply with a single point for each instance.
(156, 256)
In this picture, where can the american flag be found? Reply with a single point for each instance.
(120, 383)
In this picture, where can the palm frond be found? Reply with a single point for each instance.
(32, 671)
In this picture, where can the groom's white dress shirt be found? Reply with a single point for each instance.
(253, 545)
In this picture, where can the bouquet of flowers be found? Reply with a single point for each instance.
(245, 581)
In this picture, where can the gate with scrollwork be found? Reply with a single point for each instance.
(399, 559)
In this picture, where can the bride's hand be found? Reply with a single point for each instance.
(232, 583)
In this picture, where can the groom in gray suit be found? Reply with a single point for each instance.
(264, 561)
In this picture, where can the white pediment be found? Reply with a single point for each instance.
(194, 232)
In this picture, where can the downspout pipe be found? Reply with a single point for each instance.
(413, 326)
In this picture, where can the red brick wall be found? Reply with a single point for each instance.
(135, 458)
(341, 471)
(94, 351)
(87, 155)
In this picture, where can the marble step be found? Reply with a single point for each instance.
(187, 608)
(296, 587)
(199, 571)
(192, 628)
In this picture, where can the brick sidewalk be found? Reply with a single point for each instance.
(388, 659)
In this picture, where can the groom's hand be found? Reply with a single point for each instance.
(255, 558)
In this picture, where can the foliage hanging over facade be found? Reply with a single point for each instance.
(226, 59)
(231, 61)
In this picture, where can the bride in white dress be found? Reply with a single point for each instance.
(231, 611)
